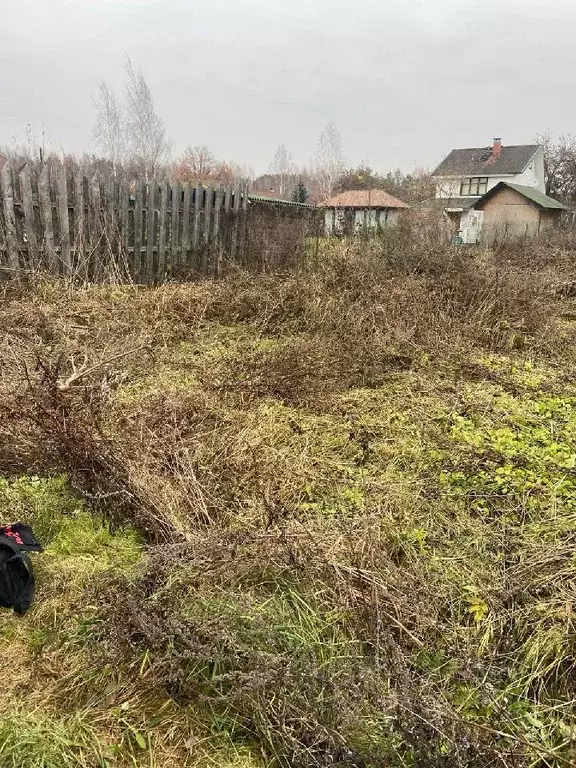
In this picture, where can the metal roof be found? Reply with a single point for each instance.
(481, 162)
(277, 201)
(534, 195)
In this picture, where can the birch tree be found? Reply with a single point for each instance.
(145, 130)
(107, 132)
(329, 161)
(282, 166)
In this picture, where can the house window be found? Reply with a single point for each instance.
(475, 186)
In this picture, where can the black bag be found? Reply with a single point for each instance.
(16, 572)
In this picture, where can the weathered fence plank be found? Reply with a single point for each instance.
(235, 226)
(228, 200)
(150, 231)
(80, 227)
(186, 224)
(218, 202)
(9, 217)
(208, 199)
(137, 254)
(175, 225)
(95, 265)
(46, 214)
(64, 221)
(198, 199)
(124, 203)
(29, 217)
(162, 231)
(244, 224)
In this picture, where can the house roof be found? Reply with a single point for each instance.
(363, 198)
(534, 195)
(480, 161)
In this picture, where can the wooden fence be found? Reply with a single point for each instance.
(97, 229)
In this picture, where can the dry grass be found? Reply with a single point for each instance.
(352, 559)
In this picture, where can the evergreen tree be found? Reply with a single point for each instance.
(300, 193)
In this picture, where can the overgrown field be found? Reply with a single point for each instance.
(318, 519)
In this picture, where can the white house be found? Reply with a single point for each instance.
(466, 175)
(361, 210)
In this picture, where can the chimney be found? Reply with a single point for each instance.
(496, 148)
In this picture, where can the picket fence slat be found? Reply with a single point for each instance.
(162, 230)
(137, 253)
(64, 221)
(174, 226)
(9, 217)
(46, 216)
(29, 219)
(198, 200)
(186, 224)
(150, 217)
(236, 209)
(80, 233)
(244, 223)
(124, 193)
(218, 201)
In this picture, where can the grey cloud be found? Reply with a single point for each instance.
(404, 85)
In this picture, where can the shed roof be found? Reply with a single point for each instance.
(363, 198)
(480, 161)
(277, 201)
(534, 195)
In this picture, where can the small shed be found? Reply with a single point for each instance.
(510, 211)
(361, 210)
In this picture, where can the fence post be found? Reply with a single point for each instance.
(96, 230)
(80, 227)
(29, 219)
(137, 255)
(198, 194)
(9, 217)
(162, 231)
(186, 224)
(234, 244)
(151, 209)
(218, 200)
(174, 225)
(64, 218)
(124, 239)
(244, 229)
(46, 216)
(208, 203)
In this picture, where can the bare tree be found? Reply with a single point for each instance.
(198, 164)
(329, 161)
(560, 166)
(107, 130)
(283, 167)
(200, 160)
(145, 130)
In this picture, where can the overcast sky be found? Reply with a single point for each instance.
(404, 82)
